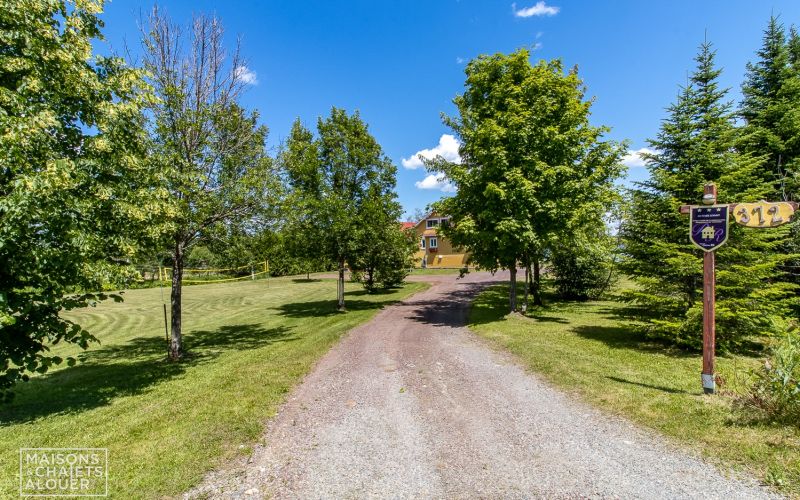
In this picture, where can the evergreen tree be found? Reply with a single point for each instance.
(693, 147)
(771, 107)
(789, 129)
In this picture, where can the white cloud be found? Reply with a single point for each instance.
(245, 75)
(540, 9)
(633, 159)
(447, 149)
(459, 60)
(436, 181)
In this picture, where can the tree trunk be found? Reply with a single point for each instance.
(512, 295)
(176, 340)
(527, 280)
(340, 294)
(537, 283)
(370, 278)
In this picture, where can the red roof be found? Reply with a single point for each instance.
(409, 225)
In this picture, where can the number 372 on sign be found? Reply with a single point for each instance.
(763, 213)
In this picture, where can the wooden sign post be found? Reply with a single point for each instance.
(708, 230)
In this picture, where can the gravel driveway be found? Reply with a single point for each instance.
(412, 405)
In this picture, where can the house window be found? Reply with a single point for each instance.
(422, 243)
(433, 243)
(431, 223)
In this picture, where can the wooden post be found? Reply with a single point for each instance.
(744, 214)
(709, 327)
(709, 302)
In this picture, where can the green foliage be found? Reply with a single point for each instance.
(231, 245)
(771, 108)
(77, 198)
(386, 258)
(771, 111)
(532, 165)
(583, 268)
(694, 146)
(775, 392)
(342, 205)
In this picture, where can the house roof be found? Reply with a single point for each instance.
(430, 232)
(408, 225)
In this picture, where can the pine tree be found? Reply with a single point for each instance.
(789, 129)
(771, 107)
(693, 147)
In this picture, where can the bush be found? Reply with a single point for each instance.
(775, 392)
(385, 260)
(582, 270)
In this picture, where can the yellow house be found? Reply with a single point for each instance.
(435, 250)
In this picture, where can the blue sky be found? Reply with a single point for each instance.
(401, 63)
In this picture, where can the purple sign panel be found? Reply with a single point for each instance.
(708, 226)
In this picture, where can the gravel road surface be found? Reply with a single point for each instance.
(412, 405)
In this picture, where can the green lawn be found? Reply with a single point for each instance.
(166, 424)
(434, 271)
(588, 350)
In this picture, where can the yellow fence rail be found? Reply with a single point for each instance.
(164, 273)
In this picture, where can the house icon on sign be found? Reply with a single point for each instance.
(707, 233)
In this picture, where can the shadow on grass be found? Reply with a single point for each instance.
(492, 305)
(535, 316)
(649, 386)
(126, 370)
(629, 312)
(306, 280)
(627, 337)
(323, 308)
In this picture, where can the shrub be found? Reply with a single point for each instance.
(775, 391)
(582, 270)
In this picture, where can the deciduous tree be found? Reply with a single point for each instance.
(77, 199)
(341, 181)
(209, 147)
(532, 166)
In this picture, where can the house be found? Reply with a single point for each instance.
(434, 249)
(707, 233)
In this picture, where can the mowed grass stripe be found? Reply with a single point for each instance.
(166, 424)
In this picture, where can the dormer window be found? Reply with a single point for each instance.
(431, 223)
